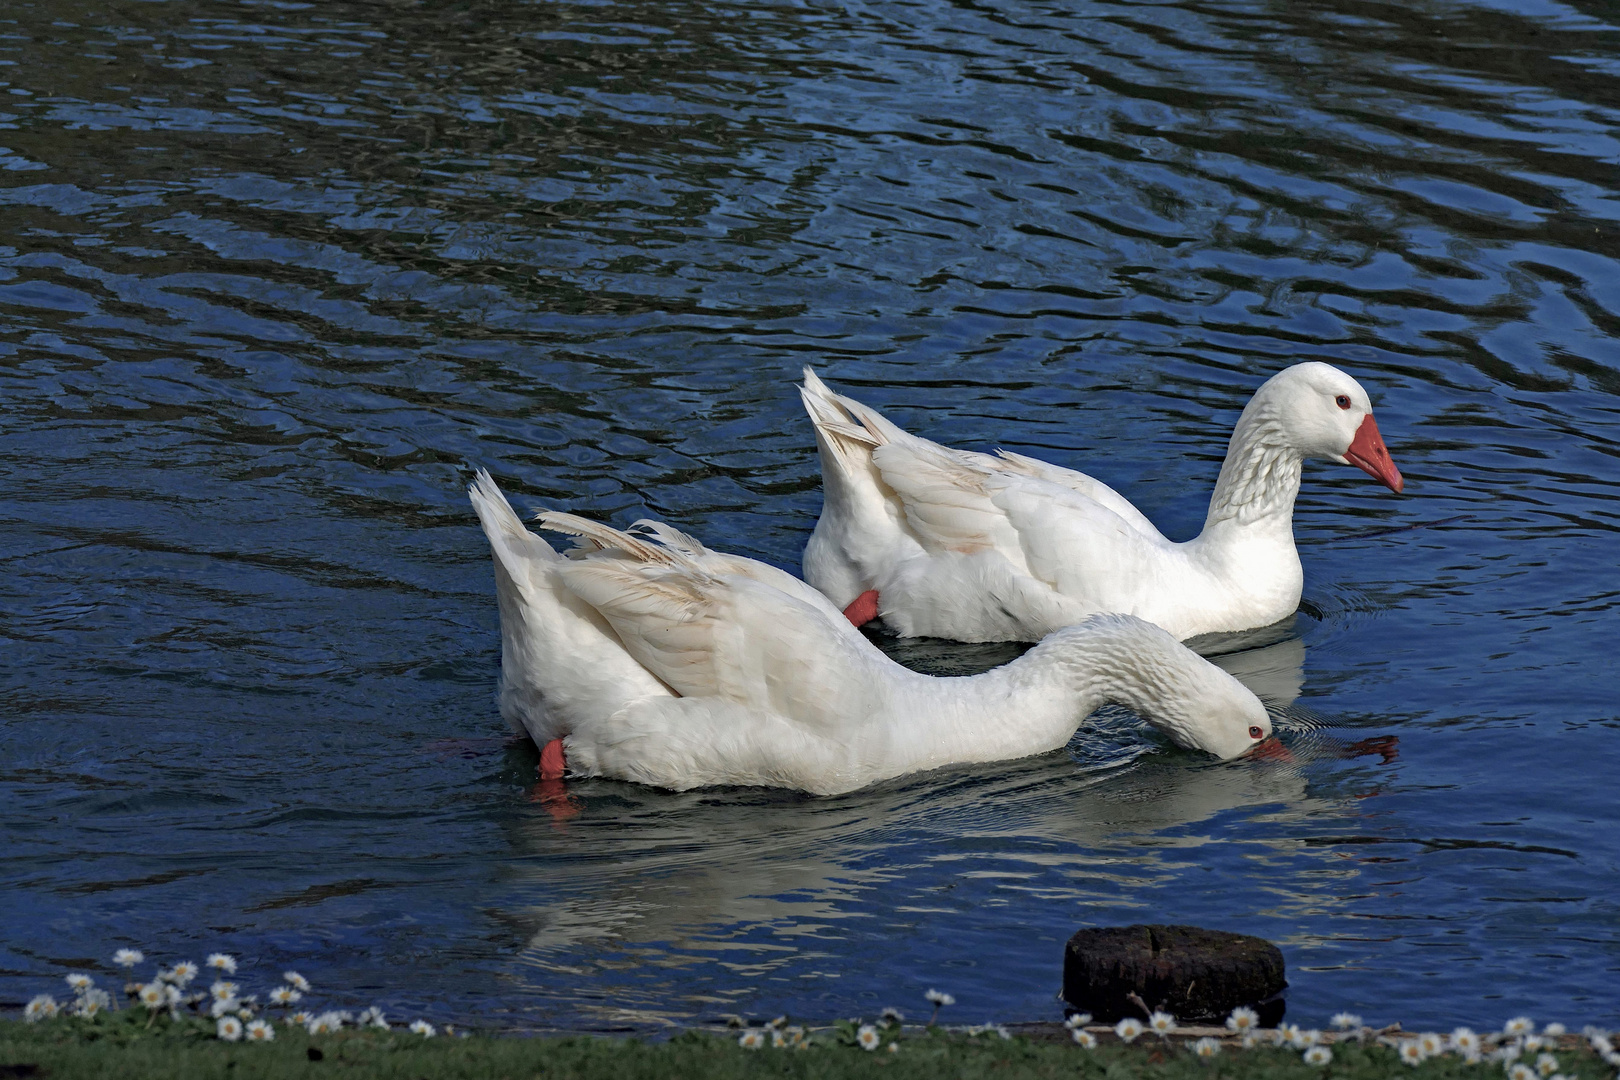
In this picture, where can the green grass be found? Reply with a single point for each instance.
(119, 1047)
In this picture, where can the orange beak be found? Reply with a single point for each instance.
(1369, 454)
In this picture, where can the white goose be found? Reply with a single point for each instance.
(659, 661)
(952, 544)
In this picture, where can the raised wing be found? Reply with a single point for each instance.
(706, 632)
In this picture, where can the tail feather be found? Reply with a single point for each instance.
(606, 537)
(513, 545)
(845, 436)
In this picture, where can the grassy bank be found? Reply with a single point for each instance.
(118, 1046)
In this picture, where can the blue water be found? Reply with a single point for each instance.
(276, 276)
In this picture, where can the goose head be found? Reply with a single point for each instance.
(1322, 412)
(1195, 703)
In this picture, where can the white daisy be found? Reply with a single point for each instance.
(1128, 1029)
(153, 995)
(222, 1006)
(295, 980)
(1612, 1060)
(1433, 1045)
(1304, 1039)
(1464, 1041)
(223, 961)
(423, 1028)
(40, 1008)
(1162, 1023)
(939, 998)
(1521, 1071)
(1084, 1039)
(1510, 1052)
(80, 983)
(1346, 1020)
(229, 1028)
(285, 995)
(1207, 1047)
(260, 1031)
(1318, 1055)
(1076, 1020)
(1519, 1025)
(91, 1002)
(181, 974)
(372, 1017)
(222, 990)
(1552, 1031)
(893, 1016)
(867, 1037)
(894, 1048)
(1411, 1052)
(128, 958)
(1250, 1040)
(778, 1039)
(1243, 1018)
(1533, 1043)
(1546, 1064)
(302, 1019)
(796, 1037)
(326, 1023)
(753, 1039)
(1601, 1044)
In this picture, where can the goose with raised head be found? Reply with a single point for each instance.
(978, 547)
(644, 656)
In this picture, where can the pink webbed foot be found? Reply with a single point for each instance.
(863, 609)
(551, 792)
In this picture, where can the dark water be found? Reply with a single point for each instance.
(277, 275)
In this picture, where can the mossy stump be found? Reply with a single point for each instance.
(1193, 974)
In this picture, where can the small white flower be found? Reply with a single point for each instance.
(1521, 1071)
(80, 983)
(1601, 1044)
(1552, 1031)
(222, 990)
(939, 998)
(1464, 1041)
(229, 1028)
(867, 1037)
(223, 1006)
(1411, 1052)
(285, 995)
(893, 1016)
(1433, 1045)
(372, 1017)
(91, 1002)
(328, 1022)
(779, 1039)
(1243, 1018)
(1162, 1023)
(260, 1031)
(1304, 1039)
(1076, 1020)
(1533, 1043)
(171, 994)
(1128, 1029)
(423, 1028)
(1207, 1047)
(1250, 1040)
(1084, 1039)
(181, 974)
(1612, 1060)
(1346, 1020)
(894, 1048)
(1318, 1055)
(1519, 1025)
(1510, 1052)
(128, 958)
(40, 1008)
(295, 980)
(153, 995)
(223, 961)
(1546, 1064)
(753, 1039)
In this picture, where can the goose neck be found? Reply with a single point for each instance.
(1260, 477)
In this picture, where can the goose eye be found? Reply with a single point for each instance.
(1254, 731)
(1343, 401)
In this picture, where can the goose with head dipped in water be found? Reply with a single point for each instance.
(953, 544)
(655, 660)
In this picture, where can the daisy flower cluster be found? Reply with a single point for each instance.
(1522, 1051)
(235, 1014)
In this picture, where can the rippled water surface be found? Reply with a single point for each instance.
(276, 276)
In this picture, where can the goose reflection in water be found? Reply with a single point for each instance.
(750, 877)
